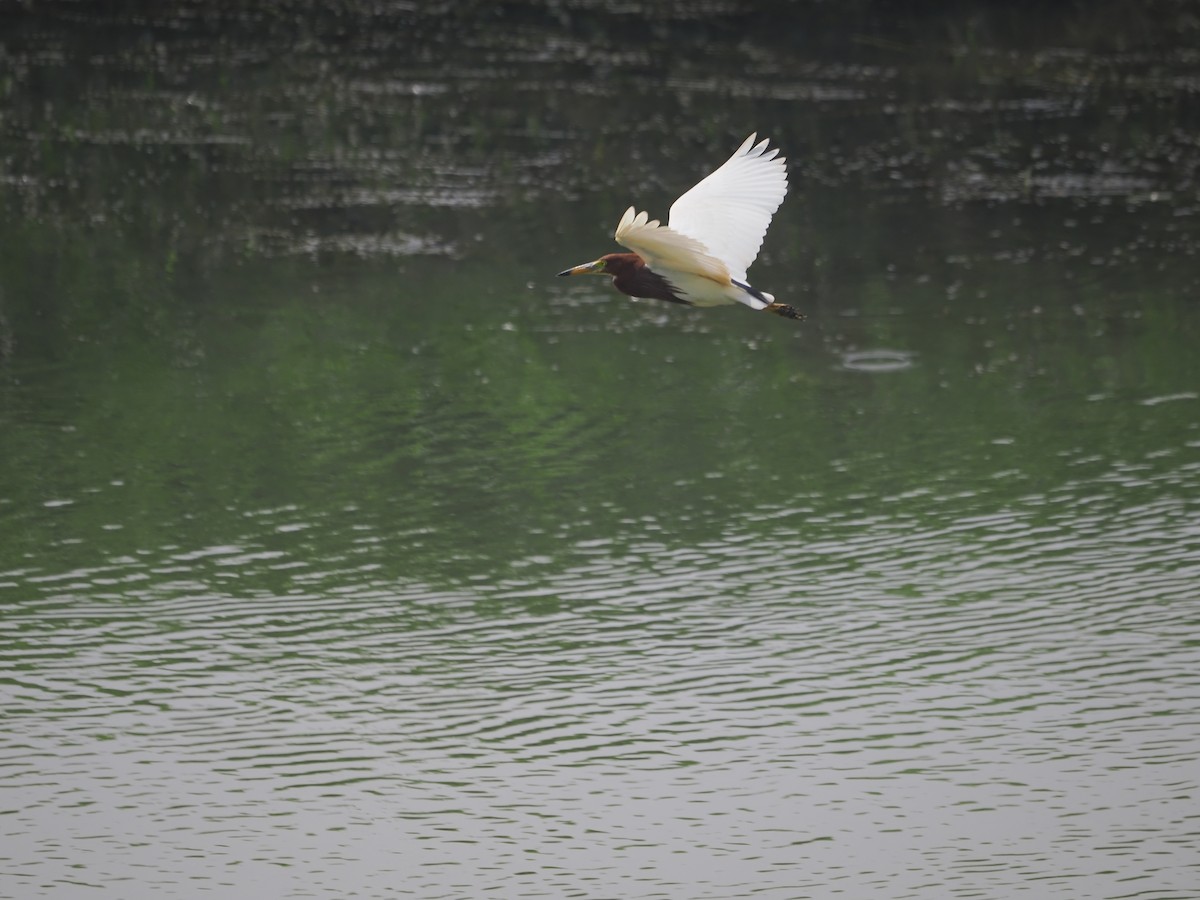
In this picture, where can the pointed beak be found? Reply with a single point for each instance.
(596, 267)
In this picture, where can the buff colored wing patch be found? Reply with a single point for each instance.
(664, 249)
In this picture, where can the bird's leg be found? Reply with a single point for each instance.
(782, 309)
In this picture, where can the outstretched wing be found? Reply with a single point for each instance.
(663, 248)
(729, 211)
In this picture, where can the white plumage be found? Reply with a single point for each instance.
(729, 211)
(715, 229)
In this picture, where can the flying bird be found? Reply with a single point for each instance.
(712, 235)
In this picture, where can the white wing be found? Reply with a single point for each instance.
(729, 211)
(665, 249)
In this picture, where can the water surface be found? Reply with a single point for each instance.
(344, 551)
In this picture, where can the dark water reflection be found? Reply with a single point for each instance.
(344, 551)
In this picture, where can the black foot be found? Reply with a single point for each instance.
(782, 309)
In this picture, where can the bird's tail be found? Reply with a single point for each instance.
(760, 296)
(757, 299)
(752, 296)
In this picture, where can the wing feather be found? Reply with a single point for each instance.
(728, 212)
(665, 249)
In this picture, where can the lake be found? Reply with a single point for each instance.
(347, 552)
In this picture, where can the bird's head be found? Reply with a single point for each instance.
(609, 264)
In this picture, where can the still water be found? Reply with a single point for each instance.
(346, 552)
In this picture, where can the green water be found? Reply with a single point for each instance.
(345, 551)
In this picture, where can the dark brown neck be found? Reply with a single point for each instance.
(631, 276)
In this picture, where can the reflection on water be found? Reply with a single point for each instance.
(346, 552)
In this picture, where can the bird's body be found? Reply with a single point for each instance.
(713, 234)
